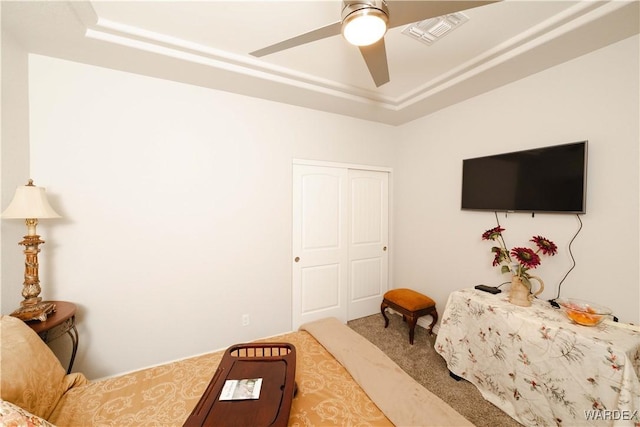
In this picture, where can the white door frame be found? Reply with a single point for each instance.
(343, 166)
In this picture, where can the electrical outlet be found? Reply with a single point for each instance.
(245, 320)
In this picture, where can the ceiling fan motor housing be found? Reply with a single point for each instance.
(372, 6)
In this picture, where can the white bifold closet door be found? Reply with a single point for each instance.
(340, 242)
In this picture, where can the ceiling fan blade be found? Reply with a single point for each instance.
(375, 56)
(407, 12)
(317, 34)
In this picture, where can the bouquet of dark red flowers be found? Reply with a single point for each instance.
(526, 258)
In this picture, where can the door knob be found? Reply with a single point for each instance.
(296, 259)
(384, 248)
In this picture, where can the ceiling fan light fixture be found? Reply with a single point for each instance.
(364, 24)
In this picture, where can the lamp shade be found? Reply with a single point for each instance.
(29, 202)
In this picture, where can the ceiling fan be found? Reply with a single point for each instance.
(364, 23)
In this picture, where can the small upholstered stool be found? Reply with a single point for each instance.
(411, 305)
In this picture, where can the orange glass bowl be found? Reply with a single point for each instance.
(583, 312)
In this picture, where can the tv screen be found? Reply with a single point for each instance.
(548, 179)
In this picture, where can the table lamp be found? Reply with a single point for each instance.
(30, 203)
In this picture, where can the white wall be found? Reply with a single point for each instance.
(177, 208)
(176, 199)
(14, 162)
(595, 97)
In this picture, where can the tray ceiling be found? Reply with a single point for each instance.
(207, 43)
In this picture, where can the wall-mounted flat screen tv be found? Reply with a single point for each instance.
(547, 179)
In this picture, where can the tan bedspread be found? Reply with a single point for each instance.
(165, 395)
(327, 394)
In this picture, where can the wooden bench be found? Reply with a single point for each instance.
(411, 305)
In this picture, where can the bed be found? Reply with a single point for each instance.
(342, 379)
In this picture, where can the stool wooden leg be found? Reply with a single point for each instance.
(412, 327)
(434, 315)
(383, 307)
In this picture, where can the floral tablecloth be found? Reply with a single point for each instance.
(538, 366)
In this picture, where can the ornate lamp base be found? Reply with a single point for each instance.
(38, 311)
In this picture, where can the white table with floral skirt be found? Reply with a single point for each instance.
(538, 366)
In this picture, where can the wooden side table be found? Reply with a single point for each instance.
(59, 323)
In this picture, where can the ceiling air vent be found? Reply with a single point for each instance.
(433, 29)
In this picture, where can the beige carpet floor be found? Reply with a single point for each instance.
(428, 368)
